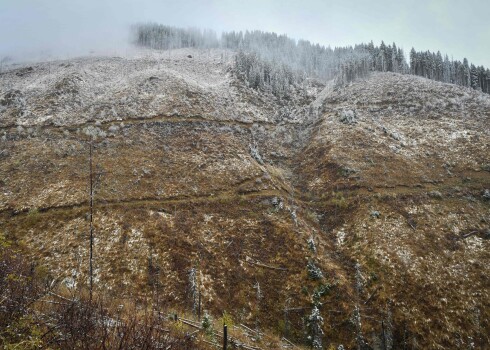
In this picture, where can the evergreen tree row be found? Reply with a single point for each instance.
(386, 58)
(265, 75)
(266, 60)
(162, 37)
(432, 66)
(272, 61)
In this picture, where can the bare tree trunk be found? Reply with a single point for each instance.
(91, 223)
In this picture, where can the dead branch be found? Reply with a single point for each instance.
(189, 323)
(469, 234)
(214, 344)
(371, 296)
(62, 297)
(259, 264)
(289, 342)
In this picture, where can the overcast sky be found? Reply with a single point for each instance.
(61, 27)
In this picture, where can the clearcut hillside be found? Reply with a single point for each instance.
(370, 200)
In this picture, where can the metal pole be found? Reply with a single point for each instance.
(225, 336)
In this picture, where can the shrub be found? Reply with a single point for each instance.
(339, 201)
(207, 325)
(314, 271)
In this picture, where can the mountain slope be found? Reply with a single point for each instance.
(411, 173)
(379, 184)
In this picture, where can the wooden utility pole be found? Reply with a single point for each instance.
(91, 223)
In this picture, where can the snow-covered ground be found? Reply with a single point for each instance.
(143, 84)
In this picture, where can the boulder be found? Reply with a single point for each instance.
(348, 116)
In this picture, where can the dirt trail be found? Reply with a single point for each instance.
(146, 120)
(227, 195)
